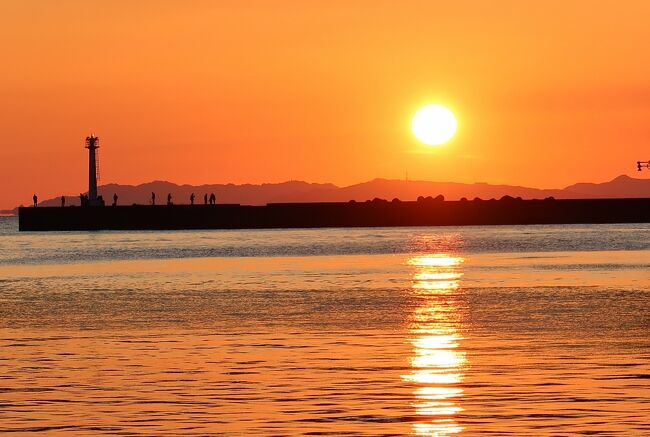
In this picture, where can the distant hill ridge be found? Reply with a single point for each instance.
(299, 191)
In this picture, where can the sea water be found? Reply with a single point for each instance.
(433, 331)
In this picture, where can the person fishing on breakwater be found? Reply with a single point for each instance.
(169, 199)
(153, 198)
(62, 201)
(205, 199)
(35, 199)
(115, 199)
(192, 199)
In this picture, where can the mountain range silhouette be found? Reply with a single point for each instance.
(299, 191)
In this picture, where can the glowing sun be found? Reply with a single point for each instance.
(434, 125)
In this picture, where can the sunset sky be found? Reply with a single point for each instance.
(546, 93)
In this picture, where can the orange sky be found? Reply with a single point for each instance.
(546, 93)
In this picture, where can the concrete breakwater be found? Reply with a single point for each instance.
(376, 213)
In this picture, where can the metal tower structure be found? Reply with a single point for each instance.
(92, 144)
(642, 164)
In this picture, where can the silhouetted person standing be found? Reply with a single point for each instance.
(192, 199)
(153, 198)
(169, 199)
(213, 199)
(115, 199)
(205, 198)
(35, 199)
(62, 201)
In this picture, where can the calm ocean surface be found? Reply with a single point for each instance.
(521, 330)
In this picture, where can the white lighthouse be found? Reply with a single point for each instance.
(92, 144)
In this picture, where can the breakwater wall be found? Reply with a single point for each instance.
(349, 214)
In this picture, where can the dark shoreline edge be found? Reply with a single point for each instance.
(377, 213)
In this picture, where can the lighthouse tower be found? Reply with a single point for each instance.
(92, 144)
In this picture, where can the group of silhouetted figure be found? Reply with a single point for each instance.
(83, 199)
(212, 200)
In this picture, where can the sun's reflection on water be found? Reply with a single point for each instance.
(437, 363)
